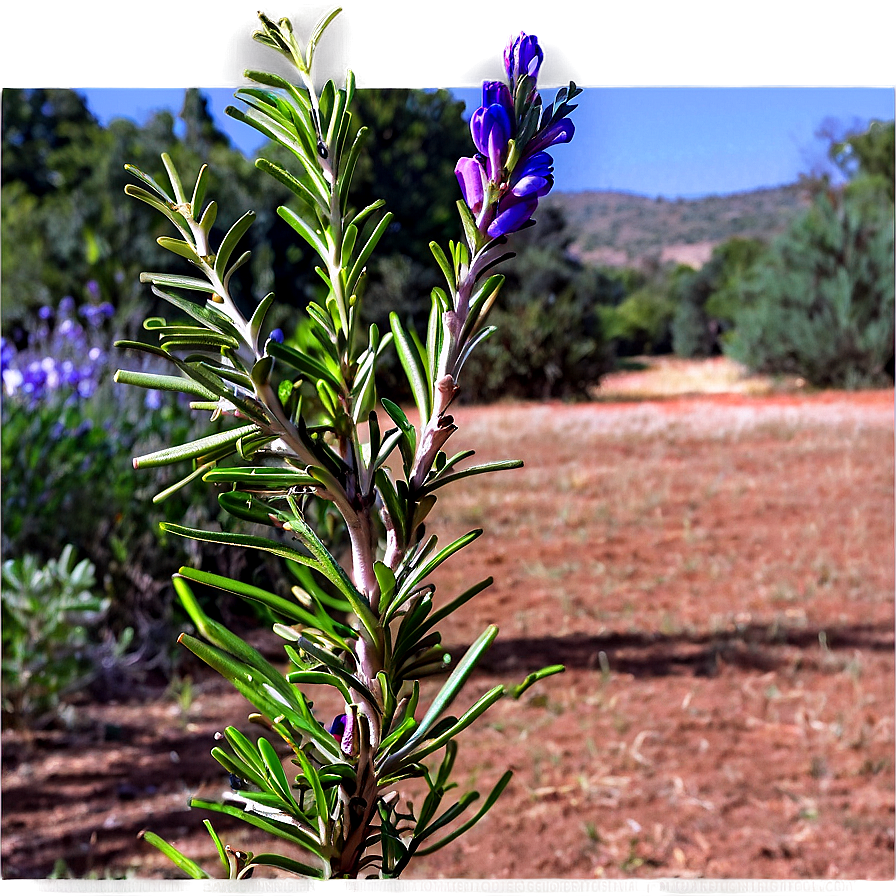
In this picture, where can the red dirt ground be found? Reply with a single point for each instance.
(716, 573)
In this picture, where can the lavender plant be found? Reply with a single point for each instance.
(312, 428)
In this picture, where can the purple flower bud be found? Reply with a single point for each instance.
(45, 312)
(106, 309)
(67, 305)
(70, 374)
(513, 213)
(276, 335)
(559, 132)
(491, 129)
(533, 177)
(93, 288)
(497, 93)
(471, 176)
(347, 744)
(531, 180)
(342, 728)
(522, 56)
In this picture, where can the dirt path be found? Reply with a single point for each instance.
(717, 575)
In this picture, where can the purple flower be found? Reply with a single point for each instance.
(523, 56)
(337, 727)
(70, 374)
(561, 131)
(45, 312)
(498, 93)
(276, 335)
(86, 388)
(7, 353)
(501, 188)
(513, 213)
(472, 178)
(534, 177)
(532, 180)
(491, 128)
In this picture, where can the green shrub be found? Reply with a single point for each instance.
(708, 299)
(641, 324)
(51, 645)
(550, 340)
(821, 305)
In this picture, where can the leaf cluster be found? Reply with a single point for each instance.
(50, 613)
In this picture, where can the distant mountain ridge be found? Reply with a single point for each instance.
(628, 230)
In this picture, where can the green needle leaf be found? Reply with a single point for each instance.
(150, 182)
(450, 689)
(414, 368)
(228, 244)
(163, 382)
(462, 829)
(276, 775)
(269, 826)
(275, 602)
(188, 866)
(493, 467)
(217, 840)
(530, 679)
(194, 449)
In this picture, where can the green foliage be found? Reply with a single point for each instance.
(821, 304)
(305, 426)
(641, 323)
(61, 224)
(707, 300)
(642, 320)
(414, 140)
(551, 341)
(62, 229)
(869, 156)
(67, 478)
(51, 647)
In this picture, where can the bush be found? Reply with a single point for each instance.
(550, 341)
(641, 324)
(51, 645)
(707, 300)
(68, 438)
(821, 306)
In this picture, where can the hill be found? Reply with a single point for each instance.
(625, 229)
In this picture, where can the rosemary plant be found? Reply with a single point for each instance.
(311, 428)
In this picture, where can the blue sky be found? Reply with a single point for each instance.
(656, 141)
(707, 134)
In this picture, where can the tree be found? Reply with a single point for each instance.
(65, 220)
(414, 140)
(869, 154)
(821, 304)
(707, 299)
(550, 340)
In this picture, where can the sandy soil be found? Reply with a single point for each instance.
(717, 575)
